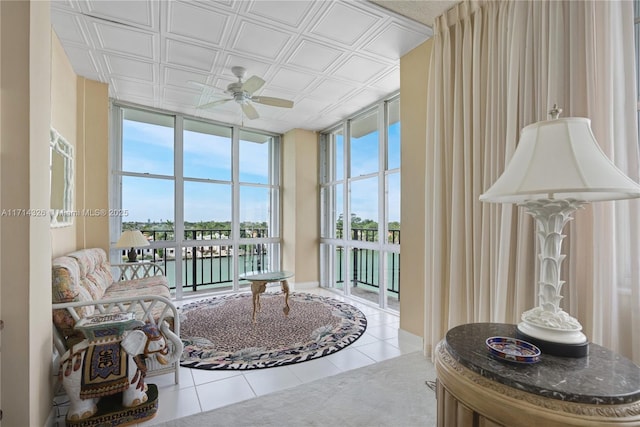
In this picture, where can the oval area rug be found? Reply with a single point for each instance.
(218, 333)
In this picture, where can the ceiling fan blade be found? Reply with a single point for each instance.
(249, 111)
(252, 84)
(214, 103)
(275, 102)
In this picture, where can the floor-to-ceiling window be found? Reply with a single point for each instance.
(360, 203)
(205, 195)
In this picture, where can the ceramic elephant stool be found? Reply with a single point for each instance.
(101, 367)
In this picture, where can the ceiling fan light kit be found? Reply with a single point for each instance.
(242, 93)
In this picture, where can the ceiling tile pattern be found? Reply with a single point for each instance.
(332, 58)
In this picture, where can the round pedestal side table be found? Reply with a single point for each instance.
(475, 389)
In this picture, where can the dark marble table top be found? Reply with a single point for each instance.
(602, 377)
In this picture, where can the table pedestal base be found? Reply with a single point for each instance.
(258, 287)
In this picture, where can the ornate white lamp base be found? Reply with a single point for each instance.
(559, 336)
(547, 326)
(559, 327)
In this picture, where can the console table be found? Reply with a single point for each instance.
(259, 284)
(476, 389)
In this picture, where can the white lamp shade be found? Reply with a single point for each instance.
(560, 159)
(132, 239)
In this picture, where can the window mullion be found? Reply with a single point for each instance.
(274, 217)
(235, 202)
(346, 202)
(382, 202)
(178, 170)
(115, 192)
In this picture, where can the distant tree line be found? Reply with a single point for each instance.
(188, 225)
(366, 224)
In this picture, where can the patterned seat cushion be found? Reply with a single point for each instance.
(154, 285)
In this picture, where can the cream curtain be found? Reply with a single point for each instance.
(496, 67)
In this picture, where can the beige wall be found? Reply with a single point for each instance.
(80, 112)
(25, 244)
(39, 91)
(63, 119)
(413, 113)
(300, 209)
(92, 177)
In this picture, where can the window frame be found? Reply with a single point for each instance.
(179, 242)
(328, 181)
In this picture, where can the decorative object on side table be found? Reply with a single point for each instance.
(557, 168)
(132, 239)
(513, 350)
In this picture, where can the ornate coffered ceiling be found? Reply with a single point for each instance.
(331, 58)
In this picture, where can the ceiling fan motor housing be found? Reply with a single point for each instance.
(241, 97)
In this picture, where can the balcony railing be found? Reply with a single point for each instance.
(206, 265)
(370, 235)
(364, 262)
(210, 266)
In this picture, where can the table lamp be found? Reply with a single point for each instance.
(556, 168)
(132, 239)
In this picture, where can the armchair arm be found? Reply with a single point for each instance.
(137, 270)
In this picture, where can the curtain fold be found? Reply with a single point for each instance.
(497, 66)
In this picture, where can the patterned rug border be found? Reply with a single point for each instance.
(352, 325)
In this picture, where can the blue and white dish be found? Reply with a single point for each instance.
(513, 350)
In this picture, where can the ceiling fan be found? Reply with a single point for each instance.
(242, 93)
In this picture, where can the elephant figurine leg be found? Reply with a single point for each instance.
(70, 373)
(80, 409)
(136, 394)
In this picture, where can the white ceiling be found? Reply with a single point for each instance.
(332, 58)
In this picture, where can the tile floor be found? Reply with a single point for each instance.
(201, 390)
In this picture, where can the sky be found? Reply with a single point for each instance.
(148, 148)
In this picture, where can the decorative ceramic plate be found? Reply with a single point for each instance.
(513, 350)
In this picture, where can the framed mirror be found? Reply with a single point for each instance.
(61, 176)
